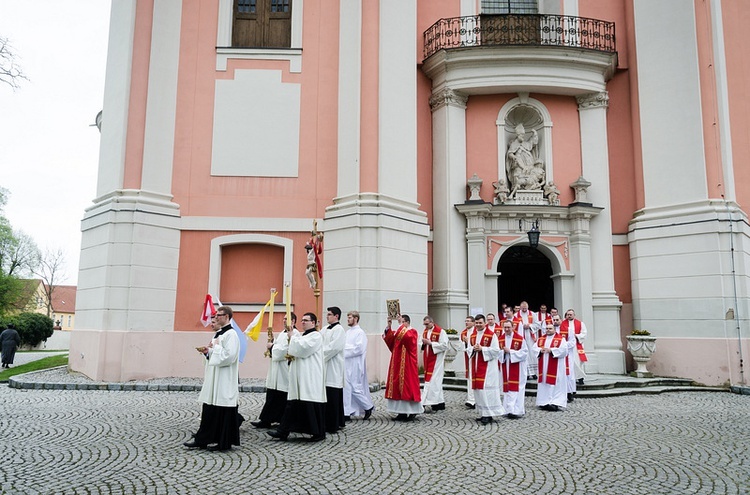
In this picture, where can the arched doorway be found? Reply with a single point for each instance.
(525, 275)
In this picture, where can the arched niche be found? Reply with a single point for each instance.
(533, 114)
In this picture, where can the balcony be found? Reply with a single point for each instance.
(519, 30)
(524, 53)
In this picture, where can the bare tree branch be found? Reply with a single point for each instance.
(51, 270)
(10, 72)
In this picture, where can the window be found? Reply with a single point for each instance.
(262, 23)
(510, 7)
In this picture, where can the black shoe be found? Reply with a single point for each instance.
(194, 445)
(439, 407)
(347, 419)
(281, 435)
(485, 420)
(532, 377)
(511, 416)
(400, 417)
(579, 381)
(570, 398)
(410, 417)
(260, 424)
(368, 413)
(470, 405)
(478, 420)
(316, 438)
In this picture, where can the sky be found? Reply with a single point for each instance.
(48, 152)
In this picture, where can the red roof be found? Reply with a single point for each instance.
(64, 299)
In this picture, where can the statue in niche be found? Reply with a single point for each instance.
(501, 191)
(552, 193)
(524, 168)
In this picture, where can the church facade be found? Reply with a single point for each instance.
(423, 139)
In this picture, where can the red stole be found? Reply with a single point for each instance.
(545, 317)
(479, 366)
(428, 355)
(551, 376)
(579, 344)
(512, 371)
(403, 372)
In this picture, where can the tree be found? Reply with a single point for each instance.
(10, 72)
(51, 269)
(19, 258)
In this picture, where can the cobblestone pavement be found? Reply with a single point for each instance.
(117, 442)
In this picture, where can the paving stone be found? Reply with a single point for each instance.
(115, 441)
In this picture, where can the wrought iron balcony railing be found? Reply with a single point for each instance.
(520, 30)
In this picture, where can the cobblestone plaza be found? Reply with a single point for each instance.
(101, 442)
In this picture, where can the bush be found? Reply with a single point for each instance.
(32, 327)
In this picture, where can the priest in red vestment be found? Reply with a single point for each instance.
(402, 394)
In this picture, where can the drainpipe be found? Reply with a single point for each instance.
(734, 287)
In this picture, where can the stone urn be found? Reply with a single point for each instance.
(454, 345)
(641, 347)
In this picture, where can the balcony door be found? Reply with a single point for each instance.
(262, 23)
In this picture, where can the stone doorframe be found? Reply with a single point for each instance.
(565, 239)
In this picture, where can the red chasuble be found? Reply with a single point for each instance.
(428, 356)
(478, 364)
(551, 377)
(403, 372)
(512, 371)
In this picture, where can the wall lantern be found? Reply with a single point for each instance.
(533, 233)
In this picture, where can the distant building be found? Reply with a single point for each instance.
(63, 302)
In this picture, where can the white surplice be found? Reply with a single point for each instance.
(488, 401)
(357, 397)
(334, 340)
(278, 371)
(433, 390)
(306, 370)
(556, 394)
(513, 402)
(221, 376)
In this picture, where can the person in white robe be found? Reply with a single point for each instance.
(580, 332)
(220, 422)
(306, 399)
(526, 327)
(570, 372)
(469, 322)
(434, 344)
(357, 398)
(513, 354)
(277, 379)
(551, 349)
(334, 340)
(484, 352)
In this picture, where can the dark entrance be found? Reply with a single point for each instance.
(525, 276)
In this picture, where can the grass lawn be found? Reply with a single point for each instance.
(41, 364)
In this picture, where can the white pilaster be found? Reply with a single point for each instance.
(722, 97)
(350, 75)
(397, 99)
(605, 304)
(669, 97)
(161, 104)
(449, 296)
(116, 97)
